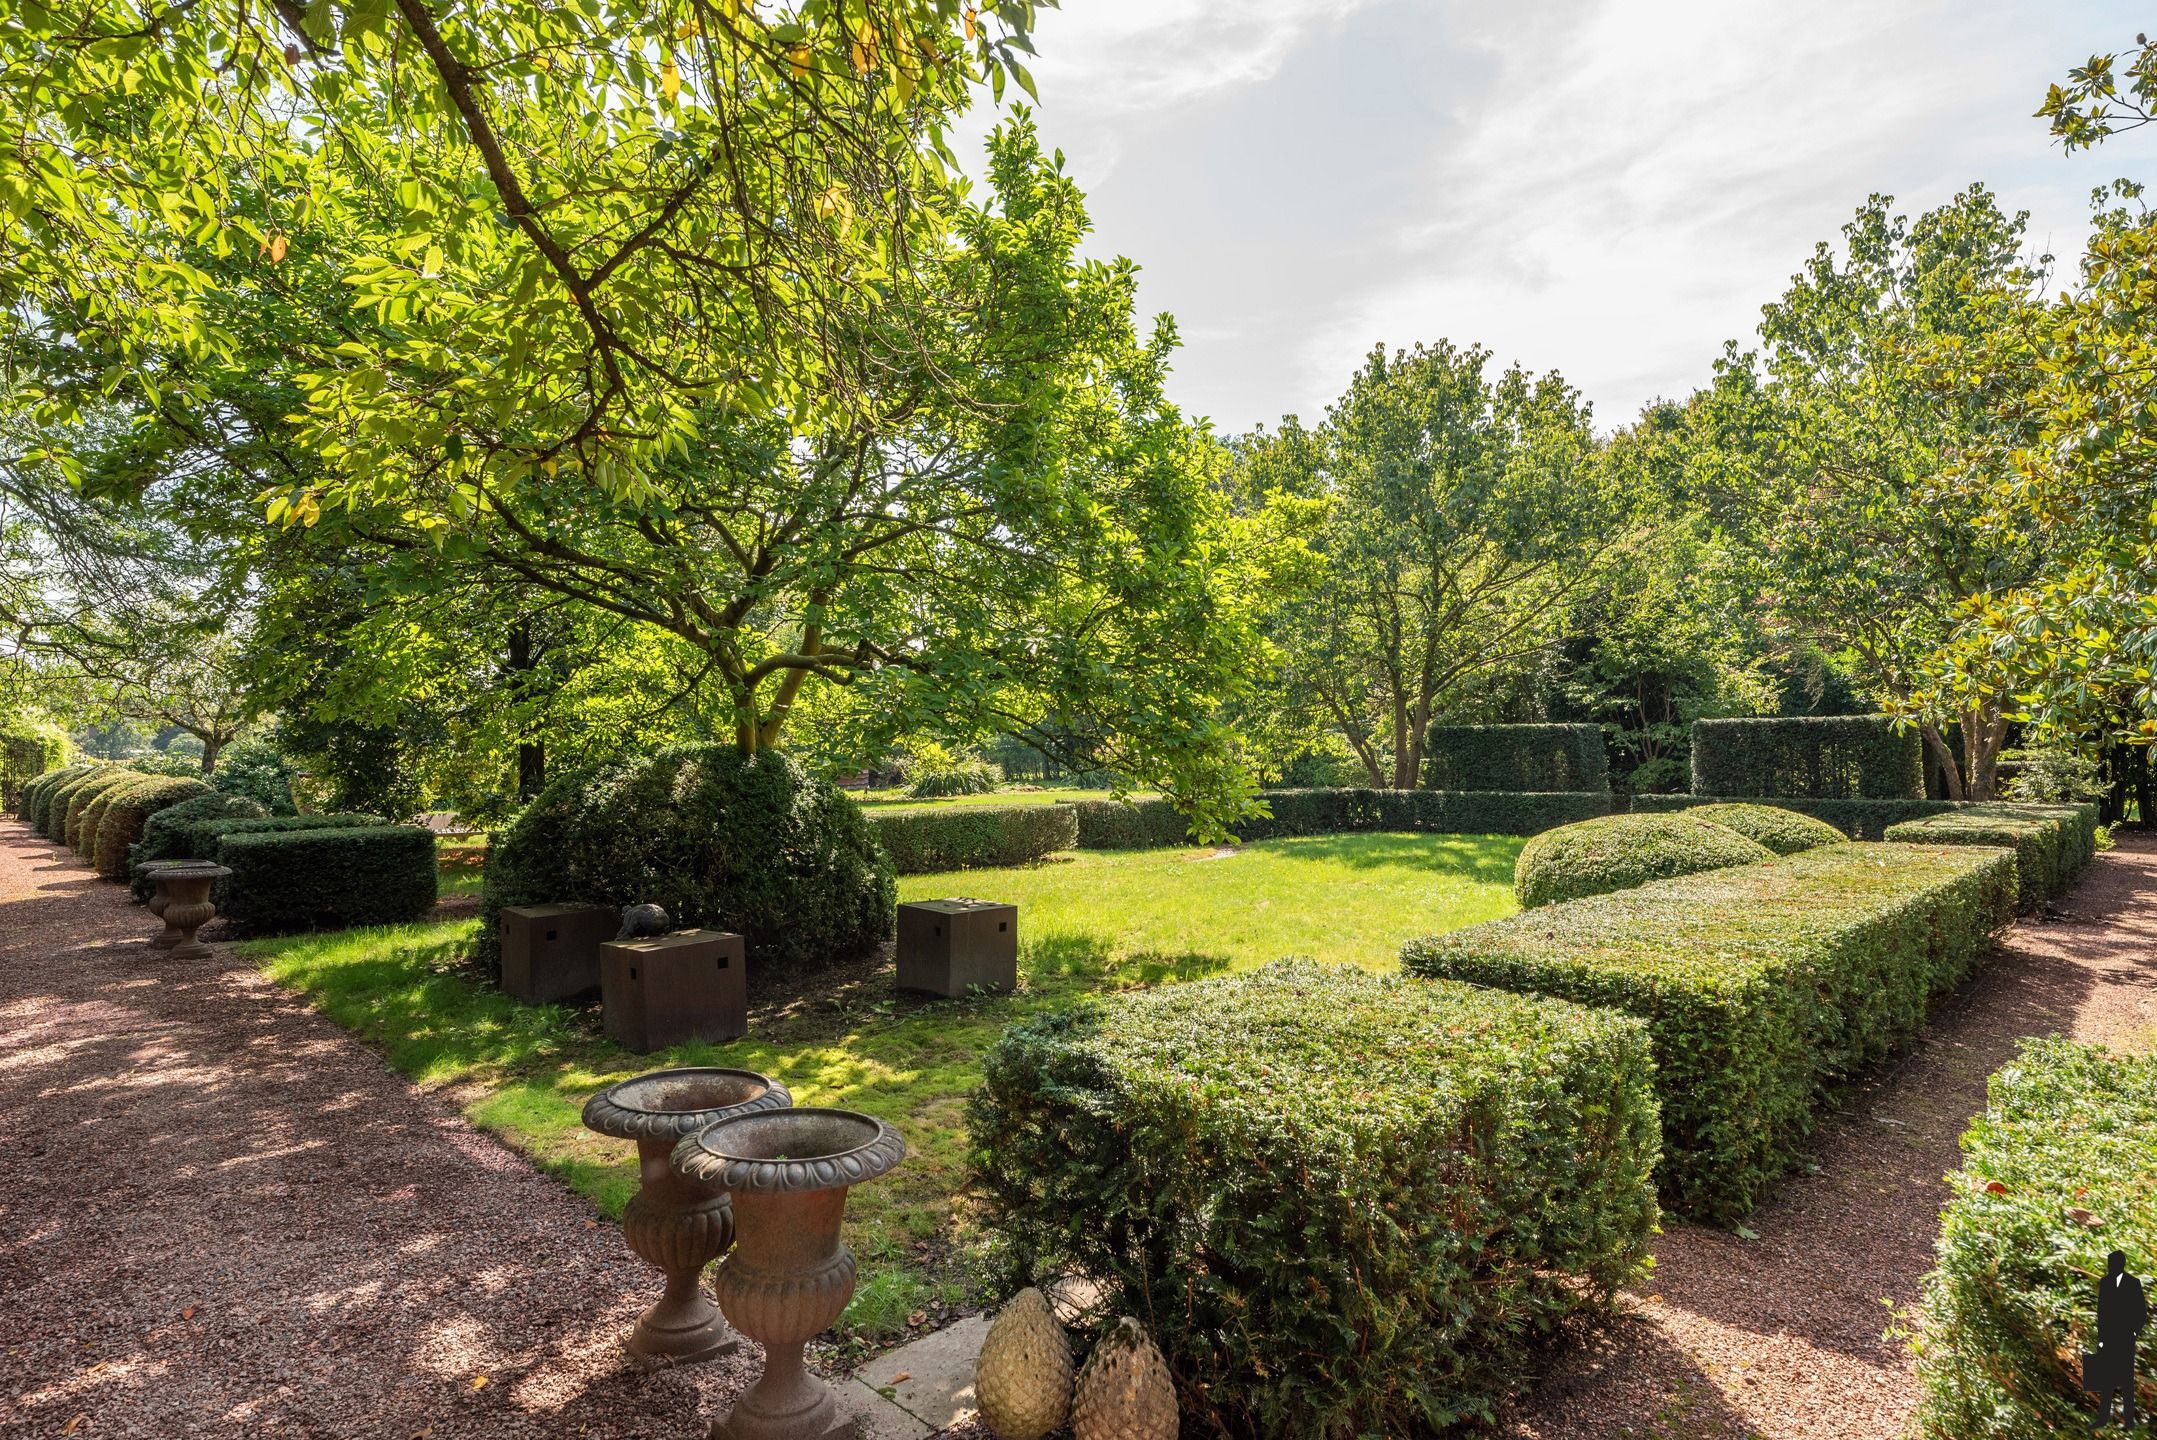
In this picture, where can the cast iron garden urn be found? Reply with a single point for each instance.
(182, 901)
(677, 1223)
(790, 1275)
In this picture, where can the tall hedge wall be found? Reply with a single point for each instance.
(1820, 757)
(1149, 824)
(2053, 844)
(966, 837)
(1516, 757)
(2059, 1171)
(1346, 1204)
(1762, 985)
(327, 879)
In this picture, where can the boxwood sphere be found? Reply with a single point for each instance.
(752, 844)
(1617, 852)
(1784, 831)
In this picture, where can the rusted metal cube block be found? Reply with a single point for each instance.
(551, 952)
(947, 947)
(671, 989)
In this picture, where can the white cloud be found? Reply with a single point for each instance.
(1607, 187)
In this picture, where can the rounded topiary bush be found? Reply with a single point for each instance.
(1786, 832)
(86, 795)
(129, 808)
(751, 844)
(52, 805)
(1617, 852)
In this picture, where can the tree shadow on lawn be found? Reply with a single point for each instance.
(1486, 859)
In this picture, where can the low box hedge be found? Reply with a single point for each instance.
(127, 808)
(1344, 1203)
(1858, 819)
(1516, 757)
(2052, 843)
(194, 829)
(327, 879)
(1822, 757)
(1128, 824)
(1619, 852)
(1149, 824)
(2060, 1170)
(968, 837)
(1786, 832)
(1762, 986)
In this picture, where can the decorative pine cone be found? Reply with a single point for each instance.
(1022, 1382)
(1124, 1393)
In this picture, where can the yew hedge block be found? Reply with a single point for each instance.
(1762, 986)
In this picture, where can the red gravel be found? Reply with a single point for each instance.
(1784, 1336)
(221, 1215)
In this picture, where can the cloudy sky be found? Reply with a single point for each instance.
(1610, 188)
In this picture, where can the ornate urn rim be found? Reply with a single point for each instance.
(749, 1154)
(635, 1109)
(190, 869)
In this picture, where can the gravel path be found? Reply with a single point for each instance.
(1783, 1337)
(221, 1215)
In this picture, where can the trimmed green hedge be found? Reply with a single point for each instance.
(1786, 832)
(329, 879)
(1150, 824)
(194, 829)
(1345, 1203)
(2060, 1170)
(127, 809)
(35, 801)
(1516, 757)
(82, 795)
(1762, 985)
(1128, 824)
(1858, 819)
(921, 842)
(753, 844)
(1821, 757)
(2052, 843)
(1619, 852)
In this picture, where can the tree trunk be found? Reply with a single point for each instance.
(212, 746)
(1984, 731)
(1950, 768)
(531, 768)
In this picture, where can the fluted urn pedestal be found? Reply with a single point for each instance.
(790, 1275)
(678, 1223)
(182, 901)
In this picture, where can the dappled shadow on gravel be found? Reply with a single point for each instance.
(219, 1214)
(1785, 1336)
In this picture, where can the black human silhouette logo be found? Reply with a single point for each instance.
(2109, 1370)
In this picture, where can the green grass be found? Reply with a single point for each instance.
(1089, 922)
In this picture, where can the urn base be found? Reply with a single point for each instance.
(684, 1340)
(821, 1419)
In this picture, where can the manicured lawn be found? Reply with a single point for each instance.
(1089, 922)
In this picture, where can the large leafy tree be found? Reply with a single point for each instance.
(1461, 512)
(673, 311)
(1841, 459)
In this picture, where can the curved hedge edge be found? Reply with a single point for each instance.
(1347, 810)
(1822, 757)
(2068, 1132)
(1786, 832)
(127, 809)
(922, 842)
(1623, 852)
